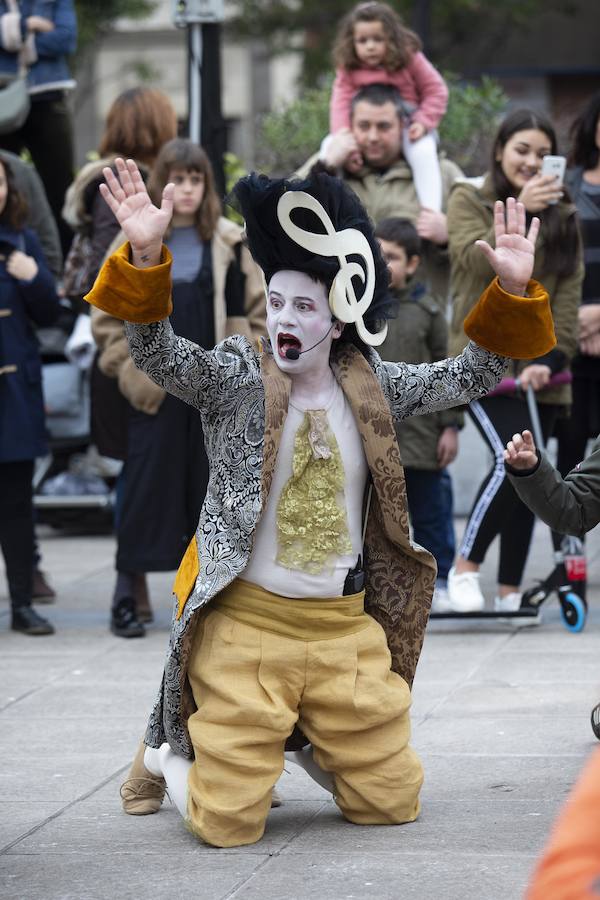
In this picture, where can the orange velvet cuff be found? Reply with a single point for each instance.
(518, 327)
(131, 294)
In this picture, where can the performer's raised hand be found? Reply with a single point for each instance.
(520, 452)
(143, 223)
(513, 258)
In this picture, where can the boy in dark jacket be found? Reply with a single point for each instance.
(427, 443)
(570, 505)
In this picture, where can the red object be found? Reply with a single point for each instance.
(576, 568)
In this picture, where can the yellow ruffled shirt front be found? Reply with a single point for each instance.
(312, 525)
(310, 532)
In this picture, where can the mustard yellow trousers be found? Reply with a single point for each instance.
(251, 685)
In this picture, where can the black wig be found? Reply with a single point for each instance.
(256, 198)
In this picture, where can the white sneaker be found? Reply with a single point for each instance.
(440, 602)
(508, 603)
(464, 593)
(512, 603)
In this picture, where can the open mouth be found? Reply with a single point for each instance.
(287, 342)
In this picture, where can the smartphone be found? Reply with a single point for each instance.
(554, 165)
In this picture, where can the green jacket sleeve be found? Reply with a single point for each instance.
(469, 220)
(570, 505)
(565, 300)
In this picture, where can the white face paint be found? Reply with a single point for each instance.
(298, 317)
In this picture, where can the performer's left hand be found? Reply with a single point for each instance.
(513, 258)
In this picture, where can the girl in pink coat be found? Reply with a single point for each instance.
(374, 47)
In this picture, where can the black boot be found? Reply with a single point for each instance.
(124, 621)
(27, 621)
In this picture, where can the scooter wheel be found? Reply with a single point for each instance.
(595, 718)
(573, 612)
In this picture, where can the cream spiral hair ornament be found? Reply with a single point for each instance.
(342, 244)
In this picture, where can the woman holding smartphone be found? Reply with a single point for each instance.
(521, 143)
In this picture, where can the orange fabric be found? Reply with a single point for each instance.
(570, 865)
(518, 327)
(131, 294)
(186, 576)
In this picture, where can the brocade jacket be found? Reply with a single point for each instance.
(243, 398)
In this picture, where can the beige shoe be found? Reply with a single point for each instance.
(142, 793)
(276, 799)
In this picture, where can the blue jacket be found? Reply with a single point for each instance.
(50, 71)
(22, 426)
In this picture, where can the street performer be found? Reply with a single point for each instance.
(301, 603)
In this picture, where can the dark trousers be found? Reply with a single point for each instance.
(161, 488)
(429, 496)
(48, 135)
(16, 529)
(582, 424)
(497, 509)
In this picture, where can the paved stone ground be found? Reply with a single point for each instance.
(501, 720)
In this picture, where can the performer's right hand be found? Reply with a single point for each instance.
(143, 224)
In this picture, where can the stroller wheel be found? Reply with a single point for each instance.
(573, 612)
(595, 718)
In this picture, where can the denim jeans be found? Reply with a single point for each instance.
(430, 508)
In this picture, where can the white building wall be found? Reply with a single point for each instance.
(152, 51)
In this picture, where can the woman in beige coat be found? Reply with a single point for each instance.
(523, 139)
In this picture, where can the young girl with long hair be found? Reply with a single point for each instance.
(522, 141)
(139, 121)
(27, 298)
(373, 46)
(217, 291)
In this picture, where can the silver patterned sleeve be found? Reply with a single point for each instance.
(178, 365)
(414, 390)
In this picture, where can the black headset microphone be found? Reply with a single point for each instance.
(293, 354)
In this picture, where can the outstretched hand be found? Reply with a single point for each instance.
(520, 452)
(513, 258)
(143, 224)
